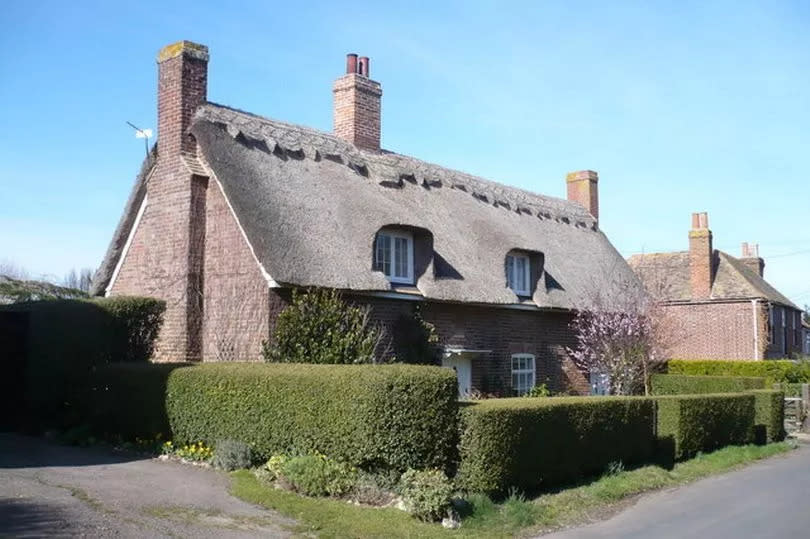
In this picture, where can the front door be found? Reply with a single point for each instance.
(463, 368)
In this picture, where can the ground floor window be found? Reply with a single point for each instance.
(523, 374)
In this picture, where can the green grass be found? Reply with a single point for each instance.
(516, 515)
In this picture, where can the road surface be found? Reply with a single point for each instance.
(52, 490)
(768, 499)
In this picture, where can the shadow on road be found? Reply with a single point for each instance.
(17, 451)
(28, 518)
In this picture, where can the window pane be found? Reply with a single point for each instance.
(520, 273)
(383, 255)
(400, 257)
(510, 267)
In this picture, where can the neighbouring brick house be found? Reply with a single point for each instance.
(722, 306)
(231, 211)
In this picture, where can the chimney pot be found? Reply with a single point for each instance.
(365, 66)
(351, 63)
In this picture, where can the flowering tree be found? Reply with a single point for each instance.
(623, 337)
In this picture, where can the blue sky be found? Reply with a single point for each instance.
(680, 107)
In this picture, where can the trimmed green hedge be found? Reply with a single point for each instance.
(532, 442)
(702, 423)
(774, 371)
(68, 339)
(769, 419)
(127, 400)
(677, 384)
(372, 416)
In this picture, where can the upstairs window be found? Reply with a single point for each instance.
(393, 255)
(518, 271)
(522, 373)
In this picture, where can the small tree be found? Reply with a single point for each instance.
(623, 336)
(319, 327)
(415, 340)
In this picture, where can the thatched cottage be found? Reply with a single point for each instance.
(232, 210)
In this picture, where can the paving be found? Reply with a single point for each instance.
(48, 490)
(767, 499)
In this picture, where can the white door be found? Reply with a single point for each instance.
(463, 368)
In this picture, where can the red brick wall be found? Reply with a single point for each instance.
(237, 310)
(716, 330)
(504, 332)
(165, 257)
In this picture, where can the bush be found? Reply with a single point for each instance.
(688, 424)
(426, 493)
(230, 455)
(769, 416)
(415, 340)
(774, 371)
(68, 339)
(676, 384)
(370, 416)
(528, 443)
(317, 475)
(319, 327)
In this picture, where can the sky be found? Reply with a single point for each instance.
(680, 106)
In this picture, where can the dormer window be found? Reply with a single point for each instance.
(393, 255)
(518, 272)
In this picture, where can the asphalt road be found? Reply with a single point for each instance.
(48, 490)
(769, 499)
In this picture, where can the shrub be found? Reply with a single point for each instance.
(319, 327)
(68, 339)
(426, 493)
(275, 465)
(528, 443)
(688, 424)
(230, 455)
(774, 371)
(676, 384)
(317, 475)
(415, 340)
(370, 416)
(769, 416)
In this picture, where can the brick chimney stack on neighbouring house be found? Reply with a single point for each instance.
(182, 87)
(750, 257)
(583, 188)
(357, 105)
(700, 256)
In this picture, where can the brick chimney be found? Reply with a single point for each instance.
(700, 256)
(750, 257)
(182, 87)
(357, 105)
(584, 190)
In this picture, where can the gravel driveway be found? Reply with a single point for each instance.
(52, 490)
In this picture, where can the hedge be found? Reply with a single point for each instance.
(703, 423)
(677, 384)
(68, 339)
(371, 416)
(127, 400)
(774, 371)
(769, 415)
(528, 443)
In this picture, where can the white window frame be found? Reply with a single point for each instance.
(532, 371)
(511, 276)
(392, 235)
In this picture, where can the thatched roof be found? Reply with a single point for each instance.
(310, 205)
(667, 275)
